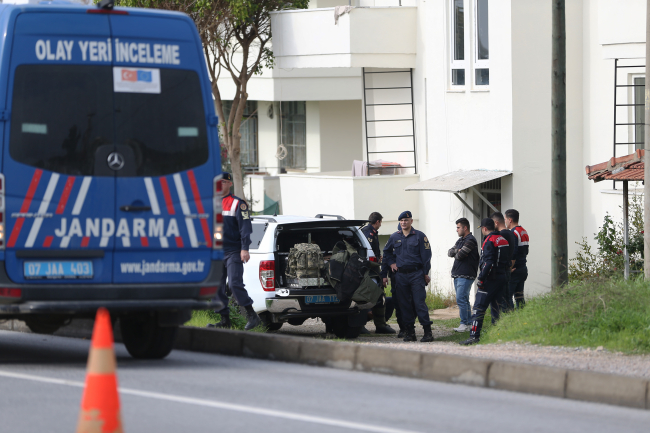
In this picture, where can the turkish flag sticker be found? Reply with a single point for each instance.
(128, 75)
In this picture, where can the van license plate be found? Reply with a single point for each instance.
(67, 269)
(321, 299)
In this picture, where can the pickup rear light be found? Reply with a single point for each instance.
(217, 232)
(6, 292)
(373, 259)
(207, 292)
(2, 212)
(267, 275)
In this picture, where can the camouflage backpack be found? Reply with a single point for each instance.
(304, 261)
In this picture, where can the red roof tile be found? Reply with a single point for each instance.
(628, 167)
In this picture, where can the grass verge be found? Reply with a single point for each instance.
(612, 313)
(201, 318)
(436, 298)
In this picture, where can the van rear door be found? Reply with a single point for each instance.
(163, 191)
(59, 190)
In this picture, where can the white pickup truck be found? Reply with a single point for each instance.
(277, 299)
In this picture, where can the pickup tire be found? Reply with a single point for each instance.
(144, 338)
(342, 328)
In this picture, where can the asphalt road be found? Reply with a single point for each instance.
(41, 379)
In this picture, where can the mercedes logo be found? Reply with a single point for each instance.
(115, 161)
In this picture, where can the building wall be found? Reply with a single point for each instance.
(267, 138)
(341, 134)
(468, 128)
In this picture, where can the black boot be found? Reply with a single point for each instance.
(469, 341)
(253, 319)
(409, 335)
(428, 335)
(401, 333)
(224, 324)
(384, 329)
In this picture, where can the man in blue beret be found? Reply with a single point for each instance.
(408, 254)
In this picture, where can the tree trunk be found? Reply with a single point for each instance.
(559, 243)
(235, 164)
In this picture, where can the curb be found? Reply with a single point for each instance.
(510, 376)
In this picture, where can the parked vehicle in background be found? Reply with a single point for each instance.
(110, 170)
(278, 299)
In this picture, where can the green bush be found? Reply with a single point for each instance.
(609, 259)
(611, 312)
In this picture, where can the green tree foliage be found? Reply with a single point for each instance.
(608, 258)
(236, 37)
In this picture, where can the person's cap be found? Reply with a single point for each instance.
(226, 176)
(488, 223)
(405, 214)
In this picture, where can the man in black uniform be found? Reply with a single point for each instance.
(408, 253)
(500, 223)
(237, 231)
(370, 231)
(519, 268)
(491, 277)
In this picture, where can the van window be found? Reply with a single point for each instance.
(166, 130)
(62, 114)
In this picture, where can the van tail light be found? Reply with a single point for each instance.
(6, 292)
(208, 292)
(373, 259)
(217, 231)
(267, 275)
(2, 212)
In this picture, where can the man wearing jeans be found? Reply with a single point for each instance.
(466, 258)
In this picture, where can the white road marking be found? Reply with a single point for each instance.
(81, 197)
(42, 209)
(151, 192)
(189, 222)
(217, 405)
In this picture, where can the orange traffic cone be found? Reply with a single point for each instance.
(100, 404)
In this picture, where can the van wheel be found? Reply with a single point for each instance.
(144, 338)
(45, 325)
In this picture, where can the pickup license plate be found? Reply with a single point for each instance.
(58, 269)
(321, 299)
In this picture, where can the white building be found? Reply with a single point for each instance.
(440, 86)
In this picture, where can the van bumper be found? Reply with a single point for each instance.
(82, 300)
(83, 308)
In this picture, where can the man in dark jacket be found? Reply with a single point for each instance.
(519, 268)
(371, 232)
(466, 258)
(491, 277)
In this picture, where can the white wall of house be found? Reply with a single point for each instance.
(341, 135)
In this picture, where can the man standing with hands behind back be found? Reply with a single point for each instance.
(408, 253)
(237, 229)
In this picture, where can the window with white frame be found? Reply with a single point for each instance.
(481, 43)
(458, 62)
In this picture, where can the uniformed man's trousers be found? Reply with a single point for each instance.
(411, 290)
(492, 289)
(500, 302)
(233, 269)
